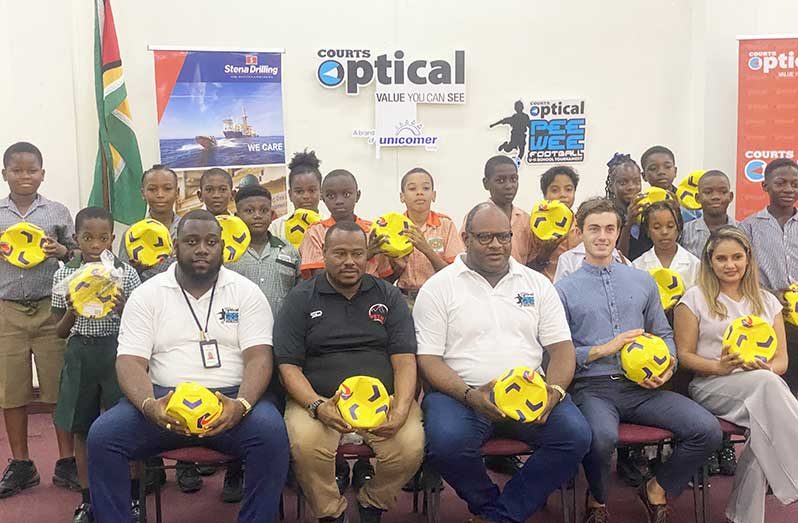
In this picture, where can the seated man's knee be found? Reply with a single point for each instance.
(575, 432)
(444, 441)
(603, 443)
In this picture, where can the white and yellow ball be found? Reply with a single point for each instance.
(752, 338)
(364, 402)
(298, 224)
(148, 242)
(236, 236)
(394, 226)
(551, 219)
(195, 406)
(670, 285)
(647, 356)
(791, 310)
(22, 245)
(521, 394)
(92, 291)
(687, 191)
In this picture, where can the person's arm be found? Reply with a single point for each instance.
(416, 237)
(62, 313)
(686, 330)
(503, 121)
(311, 251)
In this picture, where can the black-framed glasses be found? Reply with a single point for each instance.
(485, 238)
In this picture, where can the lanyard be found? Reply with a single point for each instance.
(202, 332)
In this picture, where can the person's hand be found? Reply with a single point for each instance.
(479, 400)
(655, 382)
(396, 420)
(137, 266)
(416, 237)
(155, 411)
(119, 301)
(329, 414)
(757, 364)
(634, 210)
(232, 414)
(621, 340)
(375, 242)
(728, 362)
(398, 265)
(552, 401)
(69, 302)
(53, 249)
(780, 294)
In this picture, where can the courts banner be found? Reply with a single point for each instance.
(767, 117)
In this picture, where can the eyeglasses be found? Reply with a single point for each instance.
(485, 238)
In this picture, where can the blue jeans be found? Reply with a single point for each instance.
(455, 434)
(123, 434)
(605, 402)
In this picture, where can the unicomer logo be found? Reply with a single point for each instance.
(356, 69)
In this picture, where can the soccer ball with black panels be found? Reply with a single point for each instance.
(148, 242)
(645, 357)
(363, 402)
(752, 338)
(298, 224)
(521, 394)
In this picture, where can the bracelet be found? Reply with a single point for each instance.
(465, 394)
(144, 403)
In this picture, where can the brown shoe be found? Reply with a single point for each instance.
(655, 513)
(596, 515)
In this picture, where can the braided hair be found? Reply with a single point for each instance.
(669, 205)
(618, 160)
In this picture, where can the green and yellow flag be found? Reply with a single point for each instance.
(117, 174)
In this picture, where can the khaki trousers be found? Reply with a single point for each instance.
(313, 450)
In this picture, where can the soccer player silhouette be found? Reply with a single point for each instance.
(519, 124)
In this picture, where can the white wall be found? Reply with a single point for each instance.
(651, 72)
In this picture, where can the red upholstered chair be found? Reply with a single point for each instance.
(198, 455)
(493, 447)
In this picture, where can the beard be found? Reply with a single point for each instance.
(199, 277)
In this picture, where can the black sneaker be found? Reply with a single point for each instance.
(632, 466)
(727, 459)
(65, 474)
(361, 473)
(369, 514)
(713, 464)
(507, 465)
(135, 511)
(19, 475)
(342, 475)
(206, 470)
(188, 480)
(83, 514)
(154, 476)
(233, 489)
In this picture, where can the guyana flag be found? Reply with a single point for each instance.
(117, 173)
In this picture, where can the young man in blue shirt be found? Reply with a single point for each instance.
(623, 303)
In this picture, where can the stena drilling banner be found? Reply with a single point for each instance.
(767, 114)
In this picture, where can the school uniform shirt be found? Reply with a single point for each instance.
(275, 270)
(312, 249)
(711, 328)
(601, 303)
(567, 242)
(775, 248)
(333, 338)
(32, 284)
(696, 233)
(157, 325)
(91, 327)
(441, 233)
(684, 263)
(480, 331)
(571, 261)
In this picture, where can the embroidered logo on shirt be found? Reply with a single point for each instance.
(229, 315)
(316, 314)
(378, 312)
(525, 299)
(436, 244)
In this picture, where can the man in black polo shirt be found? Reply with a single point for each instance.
(341, 323)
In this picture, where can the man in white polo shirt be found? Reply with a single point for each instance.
(475, 319)
(203, 323)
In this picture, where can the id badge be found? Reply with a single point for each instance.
(209, 350)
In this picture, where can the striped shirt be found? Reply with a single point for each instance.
(158, 268)
(18, 284)
(696, 234)
(275, 270)
(775, 249)
(93, 328)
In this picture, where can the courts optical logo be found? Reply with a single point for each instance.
(767, 61)
(354, 68)
(754, 169)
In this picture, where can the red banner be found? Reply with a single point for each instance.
(767, 118)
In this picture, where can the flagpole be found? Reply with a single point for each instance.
(104, 174)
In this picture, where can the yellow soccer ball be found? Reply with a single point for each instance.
(791, 310)
(752, 338)
(521, 394)
(688, 189)
(551, 219)
(645, 357)
(391, 225)
(670, 285)
(194, 406)
(92, 291)
(298, 224)
(236, 236)
(651, 195)
(148, 242)
(22, 245)
(364, 402)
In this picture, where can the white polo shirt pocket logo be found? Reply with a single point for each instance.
(525, 299)
(229, 315)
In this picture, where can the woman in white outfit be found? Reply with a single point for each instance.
(753, 396)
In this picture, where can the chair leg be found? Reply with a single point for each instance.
(705, 493)
(433, 507)
(143, 493)
(696, 479)
(282, 507)
(300, 506)
(158, 514)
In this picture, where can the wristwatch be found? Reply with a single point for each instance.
(246, 404)
(314, 407)
(560, 390)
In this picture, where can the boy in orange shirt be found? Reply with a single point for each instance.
(434, 236)
(557, 183)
